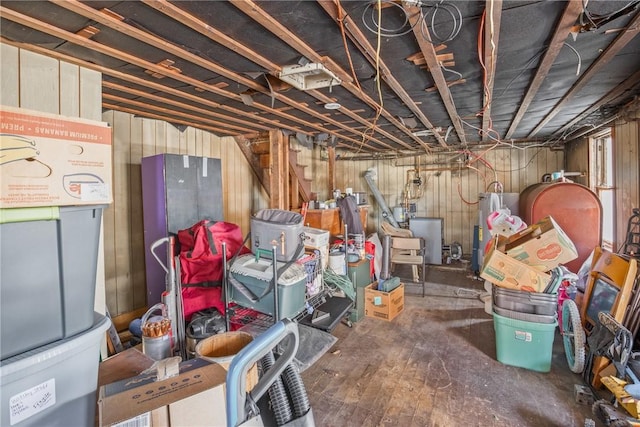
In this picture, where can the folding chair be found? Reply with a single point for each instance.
(409, 251)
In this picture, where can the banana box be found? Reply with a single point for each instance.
(507, 272)
(543, 245)
(51, 160)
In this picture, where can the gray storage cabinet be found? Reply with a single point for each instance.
(432, 231)
(177, 192)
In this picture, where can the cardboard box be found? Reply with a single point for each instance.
(383, 305)
(49, 160)
(194, 397)
(502, 270)
(315, 237)
(542, 245)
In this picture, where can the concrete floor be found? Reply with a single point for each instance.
(435, 365)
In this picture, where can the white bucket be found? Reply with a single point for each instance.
(337, 263)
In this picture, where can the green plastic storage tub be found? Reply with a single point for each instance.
(524, 344)
(256, 275)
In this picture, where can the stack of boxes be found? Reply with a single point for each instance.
(49, 235)
(524, 295)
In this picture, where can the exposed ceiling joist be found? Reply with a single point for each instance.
(384, 72)
(115, 24)
(435, 68)
(620, 42)
(618, 91)
(219, 65)
(269, 23)
(490, 39)
(196, 24)
(563, 29)
(70, 37)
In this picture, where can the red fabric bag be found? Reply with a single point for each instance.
(201, 250)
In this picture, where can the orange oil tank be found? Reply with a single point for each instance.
(573, 206)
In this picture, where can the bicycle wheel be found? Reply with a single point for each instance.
(573, 336)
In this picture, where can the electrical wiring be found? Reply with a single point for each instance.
(428, 14)
(526, 165)
(597, 21)
(456, 18)
(578, 55)
(341, 17)
(459, 186)
(500, 142)
(487, 79)
(460, 77)
(370, 131)
(525, 68)
(375, 26)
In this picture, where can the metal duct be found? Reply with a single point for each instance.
(386, 213)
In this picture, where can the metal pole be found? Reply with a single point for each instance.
(225, 287)
(276, 313)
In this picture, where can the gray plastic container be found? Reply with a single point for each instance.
(257, 276)
(54, 385)
(281, 228)
(526, 317)
(48, 275)
(525, 302)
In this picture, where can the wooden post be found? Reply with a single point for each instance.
(331, 151)
(279, 171)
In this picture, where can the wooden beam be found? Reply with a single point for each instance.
(609, 53)
(106, 19)
(169, 101)
(610, 96)
(563, 29)
(428, 51)
(225, 128)
(168, 119)
(245, 146)
(277, 174)
(268, 22)
(207, 30)
(332, 168)
(491, 38)
(233, 115)
(361, 41)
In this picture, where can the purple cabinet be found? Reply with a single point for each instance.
(177, 191)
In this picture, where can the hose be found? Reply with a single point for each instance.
(277, 393)
(297, 392)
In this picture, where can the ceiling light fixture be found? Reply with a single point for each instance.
(332, 105)
(308, 76)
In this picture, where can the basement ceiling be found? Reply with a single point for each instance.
(380, 77)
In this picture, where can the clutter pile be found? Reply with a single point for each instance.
(525, 270)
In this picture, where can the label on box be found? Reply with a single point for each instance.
(142, 420)
(50, 160)
(523, 336)
(32, 401)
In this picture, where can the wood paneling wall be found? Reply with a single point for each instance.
(626, 151)
(578, 157)
(450, 191)
(40, 83)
